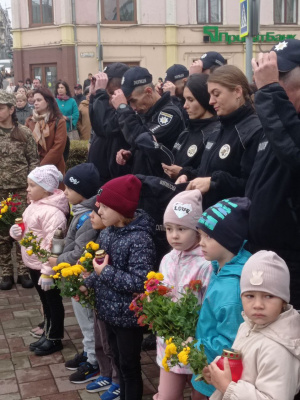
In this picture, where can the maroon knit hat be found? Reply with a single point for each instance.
(121, 194)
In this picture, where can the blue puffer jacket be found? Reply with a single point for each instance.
(220, 315)
(131, 256)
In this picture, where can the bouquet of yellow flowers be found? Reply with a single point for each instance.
(68, 278)
(33, 244)
(175, 321)
(11, 208)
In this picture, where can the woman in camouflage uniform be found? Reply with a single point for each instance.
(18, 156)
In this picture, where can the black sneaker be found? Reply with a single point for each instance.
(73, 364)
(25, 281)
(85, 373)
(37, 344)
(48, 347)
(7, 282)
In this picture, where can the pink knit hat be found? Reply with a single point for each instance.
(185, 209)
(266, 272)
(47, 176)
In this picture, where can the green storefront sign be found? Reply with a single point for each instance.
(216, 36)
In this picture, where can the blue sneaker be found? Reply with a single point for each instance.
(113, 393)
(85, 372)
(101, 383)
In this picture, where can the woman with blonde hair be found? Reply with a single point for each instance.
(230, 151)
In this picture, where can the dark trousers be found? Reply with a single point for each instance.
(126, 347)
(54, 312)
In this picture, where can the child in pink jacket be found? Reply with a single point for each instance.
(183, 264)
(46, 213)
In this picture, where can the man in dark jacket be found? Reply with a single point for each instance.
(108, 137)
(274, 183)
(176, 76)
(140, 109)
(79, 96)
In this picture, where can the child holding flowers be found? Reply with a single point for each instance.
(82, 183)
(223, 229)
(183, 264)
(46, 213)
(128, 242)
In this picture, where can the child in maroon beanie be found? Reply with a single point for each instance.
(128, 242)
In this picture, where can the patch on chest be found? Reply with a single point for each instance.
(224, 151)
(192, 150)
(164, 118)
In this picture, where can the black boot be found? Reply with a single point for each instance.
(37, 344)
(48, 347)
(7, 282)
(25, 281)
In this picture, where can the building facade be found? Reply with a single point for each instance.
(58, 39)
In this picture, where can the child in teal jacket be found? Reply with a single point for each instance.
(223, 229)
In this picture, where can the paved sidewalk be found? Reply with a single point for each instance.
(26, 376)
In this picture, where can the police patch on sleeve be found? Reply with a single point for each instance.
(164, 118)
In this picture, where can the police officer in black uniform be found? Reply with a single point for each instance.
(274, 183)
(141, 110)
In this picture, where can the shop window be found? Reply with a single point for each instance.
(118, 11)
(209, 11)
(40, 12)
(285, 11)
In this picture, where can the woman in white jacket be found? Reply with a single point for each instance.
(269, 339)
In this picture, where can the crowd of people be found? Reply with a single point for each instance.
(196, 177)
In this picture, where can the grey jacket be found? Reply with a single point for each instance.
(77, 238)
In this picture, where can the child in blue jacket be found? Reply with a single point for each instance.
(128, 242)
(223, 229)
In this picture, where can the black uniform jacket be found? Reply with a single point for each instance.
(274, 183)
(163, 121)
(108, 138)
(229, 155)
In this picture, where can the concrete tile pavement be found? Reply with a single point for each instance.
(26, 376)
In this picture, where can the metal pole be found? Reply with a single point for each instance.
(75, 40)
(249, 54)
(99, 38)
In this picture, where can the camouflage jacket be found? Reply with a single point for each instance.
(17, 159)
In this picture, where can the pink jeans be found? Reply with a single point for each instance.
(171, 387)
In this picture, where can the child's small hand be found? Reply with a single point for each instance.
(187, 341)
(52, 261)
(98, 268)
(84, 290)
(206, 375)
(220, 379)
(86, 274)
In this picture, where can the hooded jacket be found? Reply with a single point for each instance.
(43, 217)
(78, 236)
(131, 256)
(220, 315)
(179, 268)
(271, 360)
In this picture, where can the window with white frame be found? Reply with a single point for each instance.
(285, 11)
(209, 11)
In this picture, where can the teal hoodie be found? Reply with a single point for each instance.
(220, 315)
(69, 109)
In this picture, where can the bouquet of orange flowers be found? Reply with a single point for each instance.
(175, 321)
(11, 208)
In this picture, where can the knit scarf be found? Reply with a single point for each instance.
(64, 97)
(41, 129)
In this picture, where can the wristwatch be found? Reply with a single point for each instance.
(122, 106)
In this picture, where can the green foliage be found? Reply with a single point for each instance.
(31, 242)
(78, 153)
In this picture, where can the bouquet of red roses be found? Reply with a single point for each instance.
(11, 208)
(175, 321)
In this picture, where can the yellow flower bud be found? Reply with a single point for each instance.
(151, 275)
(29, 252)
(159, 276)
(88, 255)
